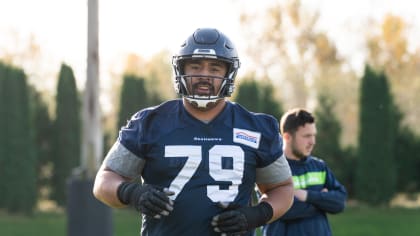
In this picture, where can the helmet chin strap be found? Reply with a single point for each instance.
(202, 103)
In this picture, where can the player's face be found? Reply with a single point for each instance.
(206, 76)
(303, 141)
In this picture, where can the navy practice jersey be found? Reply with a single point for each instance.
(203, 163)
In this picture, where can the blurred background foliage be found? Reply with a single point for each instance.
(367, 121)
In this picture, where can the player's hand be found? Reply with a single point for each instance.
(232, 222)
(301, 194)
(150, 200)
(240, 220)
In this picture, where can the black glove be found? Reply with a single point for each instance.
(150, 200)
(239, 221)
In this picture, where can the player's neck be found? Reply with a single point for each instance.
(205, 115)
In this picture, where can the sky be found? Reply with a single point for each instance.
(147, 27)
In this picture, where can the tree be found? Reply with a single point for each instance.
(156, 71)
(390, 49)
(284, 55)
(43, 128)
(301, 60)
(329, 133)
(407, 160)
(3, 127)
(67, 133)
(18, 162)
(328, 147)
(269, 103)
(134, 97)
(258, 97)
(158, 82)
(375, 180)
(247, 94)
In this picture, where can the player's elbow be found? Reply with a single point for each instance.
(99, 189)
(290, 193)
(96, 190)
(339, 207)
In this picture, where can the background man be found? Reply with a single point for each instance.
(317, 191)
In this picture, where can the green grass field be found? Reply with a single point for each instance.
(353, 222)
(376, 222)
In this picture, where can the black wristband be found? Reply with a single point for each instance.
(258, 215)
(124, 191)
(266, 212)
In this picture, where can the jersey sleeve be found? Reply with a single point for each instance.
(278, 169)
(125, 156)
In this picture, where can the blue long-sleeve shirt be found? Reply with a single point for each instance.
(309, 218)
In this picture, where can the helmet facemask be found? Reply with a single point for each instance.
(206, 44)
(204, 91)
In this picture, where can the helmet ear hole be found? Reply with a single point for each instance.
(181, 65)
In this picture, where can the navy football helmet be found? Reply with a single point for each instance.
(206, 43)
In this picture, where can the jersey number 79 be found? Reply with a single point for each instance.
(194, 158)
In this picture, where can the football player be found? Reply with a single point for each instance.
(200, 156)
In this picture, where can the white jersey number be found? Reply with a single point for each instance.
(194, 158)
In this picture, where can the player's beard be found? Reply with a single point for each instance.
(197, 91)
(203, 89)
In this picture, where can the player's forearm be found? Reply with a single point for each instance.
(105, 188)
(280, 197)
(300, 210)
(332, 201)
